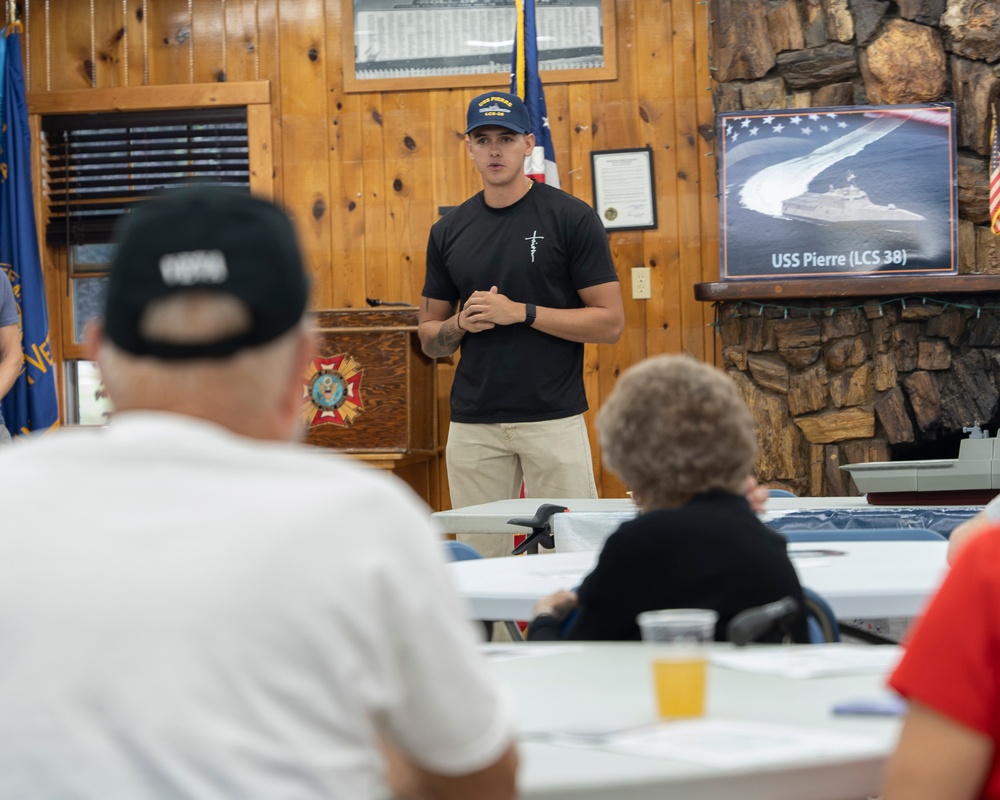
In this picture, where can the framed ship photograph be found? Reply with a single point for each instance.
(845, 191)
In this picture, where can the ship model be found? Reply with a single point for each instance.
(971, 479)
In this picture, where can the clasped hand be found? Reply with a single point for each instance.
(485, 310)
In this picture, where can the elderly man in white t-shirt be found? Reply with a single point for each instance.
(191, 606)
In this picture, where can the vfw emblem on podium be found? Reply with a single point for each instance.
(331, 391)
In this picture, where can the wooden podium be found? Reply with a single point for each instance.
(370, 392)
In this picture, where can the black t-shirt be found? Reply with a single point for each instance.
(711, 553)
(542, 249)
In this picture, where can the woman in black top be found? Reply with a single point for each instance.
(678, 434)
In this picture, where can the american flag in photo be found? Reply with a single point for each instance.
(806, 125)
(817, 126)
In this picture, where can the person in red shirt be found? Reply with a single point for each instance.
(950, 674)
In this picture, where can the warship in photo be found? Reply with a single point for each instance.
(846, 204)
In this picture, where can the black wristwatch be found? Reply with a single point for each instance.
(529, 314)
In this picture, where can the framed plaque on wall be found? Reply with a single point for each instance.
(442, 44)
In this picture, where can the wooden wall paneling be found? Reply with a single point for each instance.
(689, 157)
(613, 359)
(654, 90)
(574, 125)
(557, 107)
(347, 221)
(209, 41)
(347, 267)
(268, 40)
(450, 179)
(615, 125)
(69, 52)
(571, 120)
(592, 386)
(171, 44)
(709, 181)
(241, 40)
(576, 175)
(135, 43)
(267, 67)
(146, 97)
(408, 191)
(261, 147)
(376, 185)
(304, 144)
(450, 171)
(473, 180)
(445, 376)
(108, 44)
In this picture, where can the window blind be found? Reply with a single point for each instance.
(95, 167)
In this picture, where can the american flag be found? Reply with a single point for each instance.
(995, 174)
(526, 83)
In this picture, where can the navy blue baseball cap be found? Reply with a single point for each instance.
(207, 238)
(500, 109)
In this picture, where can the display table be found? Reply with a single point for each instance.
(600, 688)
(492, 517)
(858, 579)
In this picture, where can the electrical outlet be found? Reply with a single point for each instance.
(642, 288)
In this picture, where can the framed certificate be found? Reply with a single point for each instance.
(624, 191)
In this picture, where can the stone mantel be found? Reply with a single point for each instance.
(890, 367)
(869, 286)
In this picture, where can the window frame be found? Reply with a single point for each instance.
(255, 96)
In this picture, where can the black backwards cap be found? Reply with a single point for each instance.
(206, 238)
(500, 109)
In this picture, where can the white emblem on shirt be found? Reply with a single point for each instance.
(534, 243)
(193, 266)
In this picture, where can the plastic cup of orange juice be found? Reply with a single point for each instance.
(680, 638)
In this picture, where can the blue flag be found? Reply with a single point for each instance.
(526, 83)
(31, 404)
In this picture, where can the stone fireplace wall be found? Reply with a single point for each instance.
(834, 382)
(773, 54)
(831, 381)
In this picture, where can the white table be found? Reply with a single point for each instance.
(492, 517)
(603, 686)
(867, 579)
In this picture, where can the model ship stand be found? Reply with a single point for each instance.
(971, 479)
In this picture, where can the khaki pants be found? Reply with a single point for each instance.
(488, 462)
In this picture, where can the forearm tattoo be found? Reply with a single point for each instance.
(449, 336)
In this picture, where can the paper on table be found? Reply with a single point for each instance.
(504, 652)
(805, 661)
(884, 705)
(732, 743)
(554, 572)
